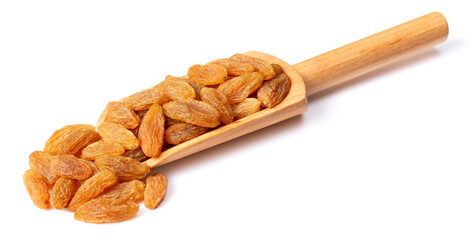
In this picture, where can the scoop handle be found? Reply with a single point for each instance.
(372, 52)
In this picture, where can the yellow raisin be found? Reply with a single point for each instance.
(208, 74)
(118, 112)
(218, 101)
(40, 162)
(176, 90)
(51, 146)
(62, 192)
(274, 91)
(277, 69)
(239, 88)
(193, 111)
(36, 188)
(183, 132)
(197, 87)
(101, 148)
(144, 99)
(69, 166)
(75, 142)
(106, 211)
(259, 65)
(125, 168)
(247, 107)
(170, 122)
(132, 190)
(155, 190)
(150, 133)
(234, 67)
(136, 154)
(117, 133)
(91, 188)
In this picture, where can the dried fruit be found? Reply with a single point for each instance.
(136, 154)
(132, 190)
(208, 74)
(176, 90)
(183, 132)
(274, 91)
(193, 111)
(239, 88)
(144, 99)
(247, 107)
(277, 69)
(125, 168)
(219, 102)
(69, 166)
(197, 87)
(62, 192)
(37, 189)
(117, 133)
(91, 188)
(170, 122)
(120, 113)
(40, 162)
(259, 65)
(106, 211)
(51, 146)
(155, 190)
(101, 148)
(76, 141)
(234, 67)
(151, 131)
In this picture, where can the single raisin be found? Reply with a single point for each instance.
(150, 133)
(183, 132)
(155, 190)
(193, 111)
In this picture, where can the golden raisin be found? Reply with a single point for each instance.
(219, 102)
(37, 189)
(239, 88)
(75, 142)
(117, 133)
(155, 190)
(69, 166)
(277, 69)
(101, 148)
(118, 112)
(132, 190)
(208, 74)
(197, 87)
(176, 90)
(234, 67)
(40, 162)
(170, 122)
(259, 65)
(144, 99)
(150, 133)
(247, 107)
(62, 192)
(91, 188)
(193, 111)
(51, 146)
(136, 154)
(125, 168)
(106, 211)
(183, 132)
(274, 91)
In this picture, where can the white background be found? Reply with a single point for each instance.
(387, 156)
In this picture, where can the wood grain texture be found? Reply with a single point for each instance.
(357, 58)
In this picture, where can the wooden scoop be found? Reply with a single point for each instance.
(320, 73)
